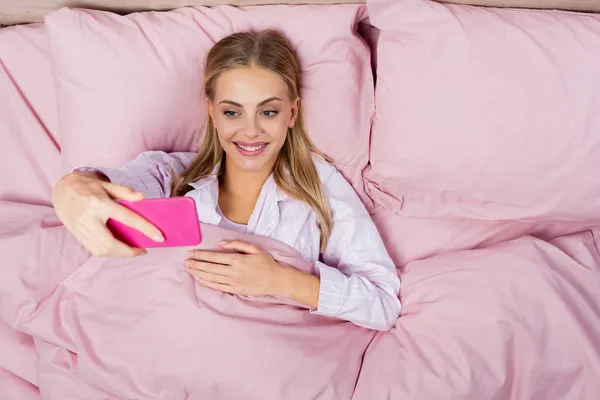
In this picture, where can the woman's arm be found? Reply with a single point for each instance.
(85, 199)
(299, 286)
(151, 173)
(358, 279)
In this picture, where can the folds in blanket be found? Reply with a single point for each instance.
(14, 387)
(18, 360)
(519, 320)
(30, 161)
(143, 328)
(36, 255)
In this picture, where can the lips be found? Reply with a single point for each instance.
(251, 146)
(251, 149)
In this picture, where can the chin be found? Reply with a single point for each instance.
(253, 164)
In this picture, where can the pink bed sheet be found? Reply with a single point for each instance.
(29, 166)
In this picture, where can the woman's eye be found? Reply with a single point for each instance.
(229, 113)
(269, 113)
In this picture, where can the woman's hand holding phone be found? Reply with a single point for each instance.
(84, 202)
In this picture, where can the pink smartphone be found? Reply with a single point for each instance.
(175, 217)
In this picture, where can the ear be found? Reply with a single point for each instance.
(295, 108)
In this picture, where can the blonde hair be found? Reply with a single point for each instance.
(295, 172)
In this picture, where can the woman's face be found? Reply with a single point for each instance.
(252, 112)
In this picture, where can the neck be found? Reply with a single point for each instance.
(239, 183)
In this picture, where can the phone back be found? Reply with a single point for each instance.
(175, 217)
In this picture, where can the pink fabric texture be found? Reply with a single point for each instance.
(28, 122)
(18, 360)
(519, 320)
(486, 113)
(413, 238)
(93, 321)
(513, 321)
(29, 166)
(13, 387)
(140, 77)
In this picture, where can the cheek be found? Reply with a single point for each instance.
(226, 127)
(276, 128)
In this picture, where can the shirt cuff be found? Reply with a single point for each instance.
(332, 290)
(108, 173)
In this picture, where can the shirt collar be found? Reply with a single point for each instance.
(207, 180)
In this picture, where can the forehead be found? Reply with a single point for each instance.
(249, 85)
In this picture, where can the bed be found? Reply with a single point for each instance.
(490, 209)
(15, 11)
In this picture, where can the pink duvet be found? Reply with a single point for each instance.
(520, 320)
(142, 328)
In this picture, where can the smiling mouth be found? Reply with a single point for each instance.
(251, 148)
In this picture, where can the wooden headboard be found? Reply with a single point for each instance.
(24, 11)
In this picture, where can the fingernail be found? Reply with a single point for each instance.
(186, 263)
(191, 254)
(158, 238)
(143, 252)
(223, 243)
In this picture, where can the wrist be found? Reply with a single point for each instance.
(283, 284)
(299, 286)
(98, 175)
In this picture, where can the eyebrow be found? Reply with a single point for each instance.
(233, 103)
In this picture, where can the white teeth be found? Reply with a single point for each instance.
(252, 148)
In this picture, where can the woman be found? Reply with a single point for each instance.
(257, 172)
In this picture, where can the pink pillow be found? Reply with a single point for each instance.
(127, 84)
(30, 162)
(486, 113)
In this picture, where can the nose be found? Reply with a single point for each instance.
(252, 128)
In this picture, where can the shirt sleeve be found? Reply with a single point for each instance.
(359, 281)
(151, 172)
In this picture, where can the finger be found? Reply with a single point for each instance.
(134, 220)
(213, 257)
(89, 238)
(241, 246)
(112, 247)
(219, 269)
(108, 245)
(210, 277)
(122, 192)
(220, 287)
(120, 249)
(90, 245)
